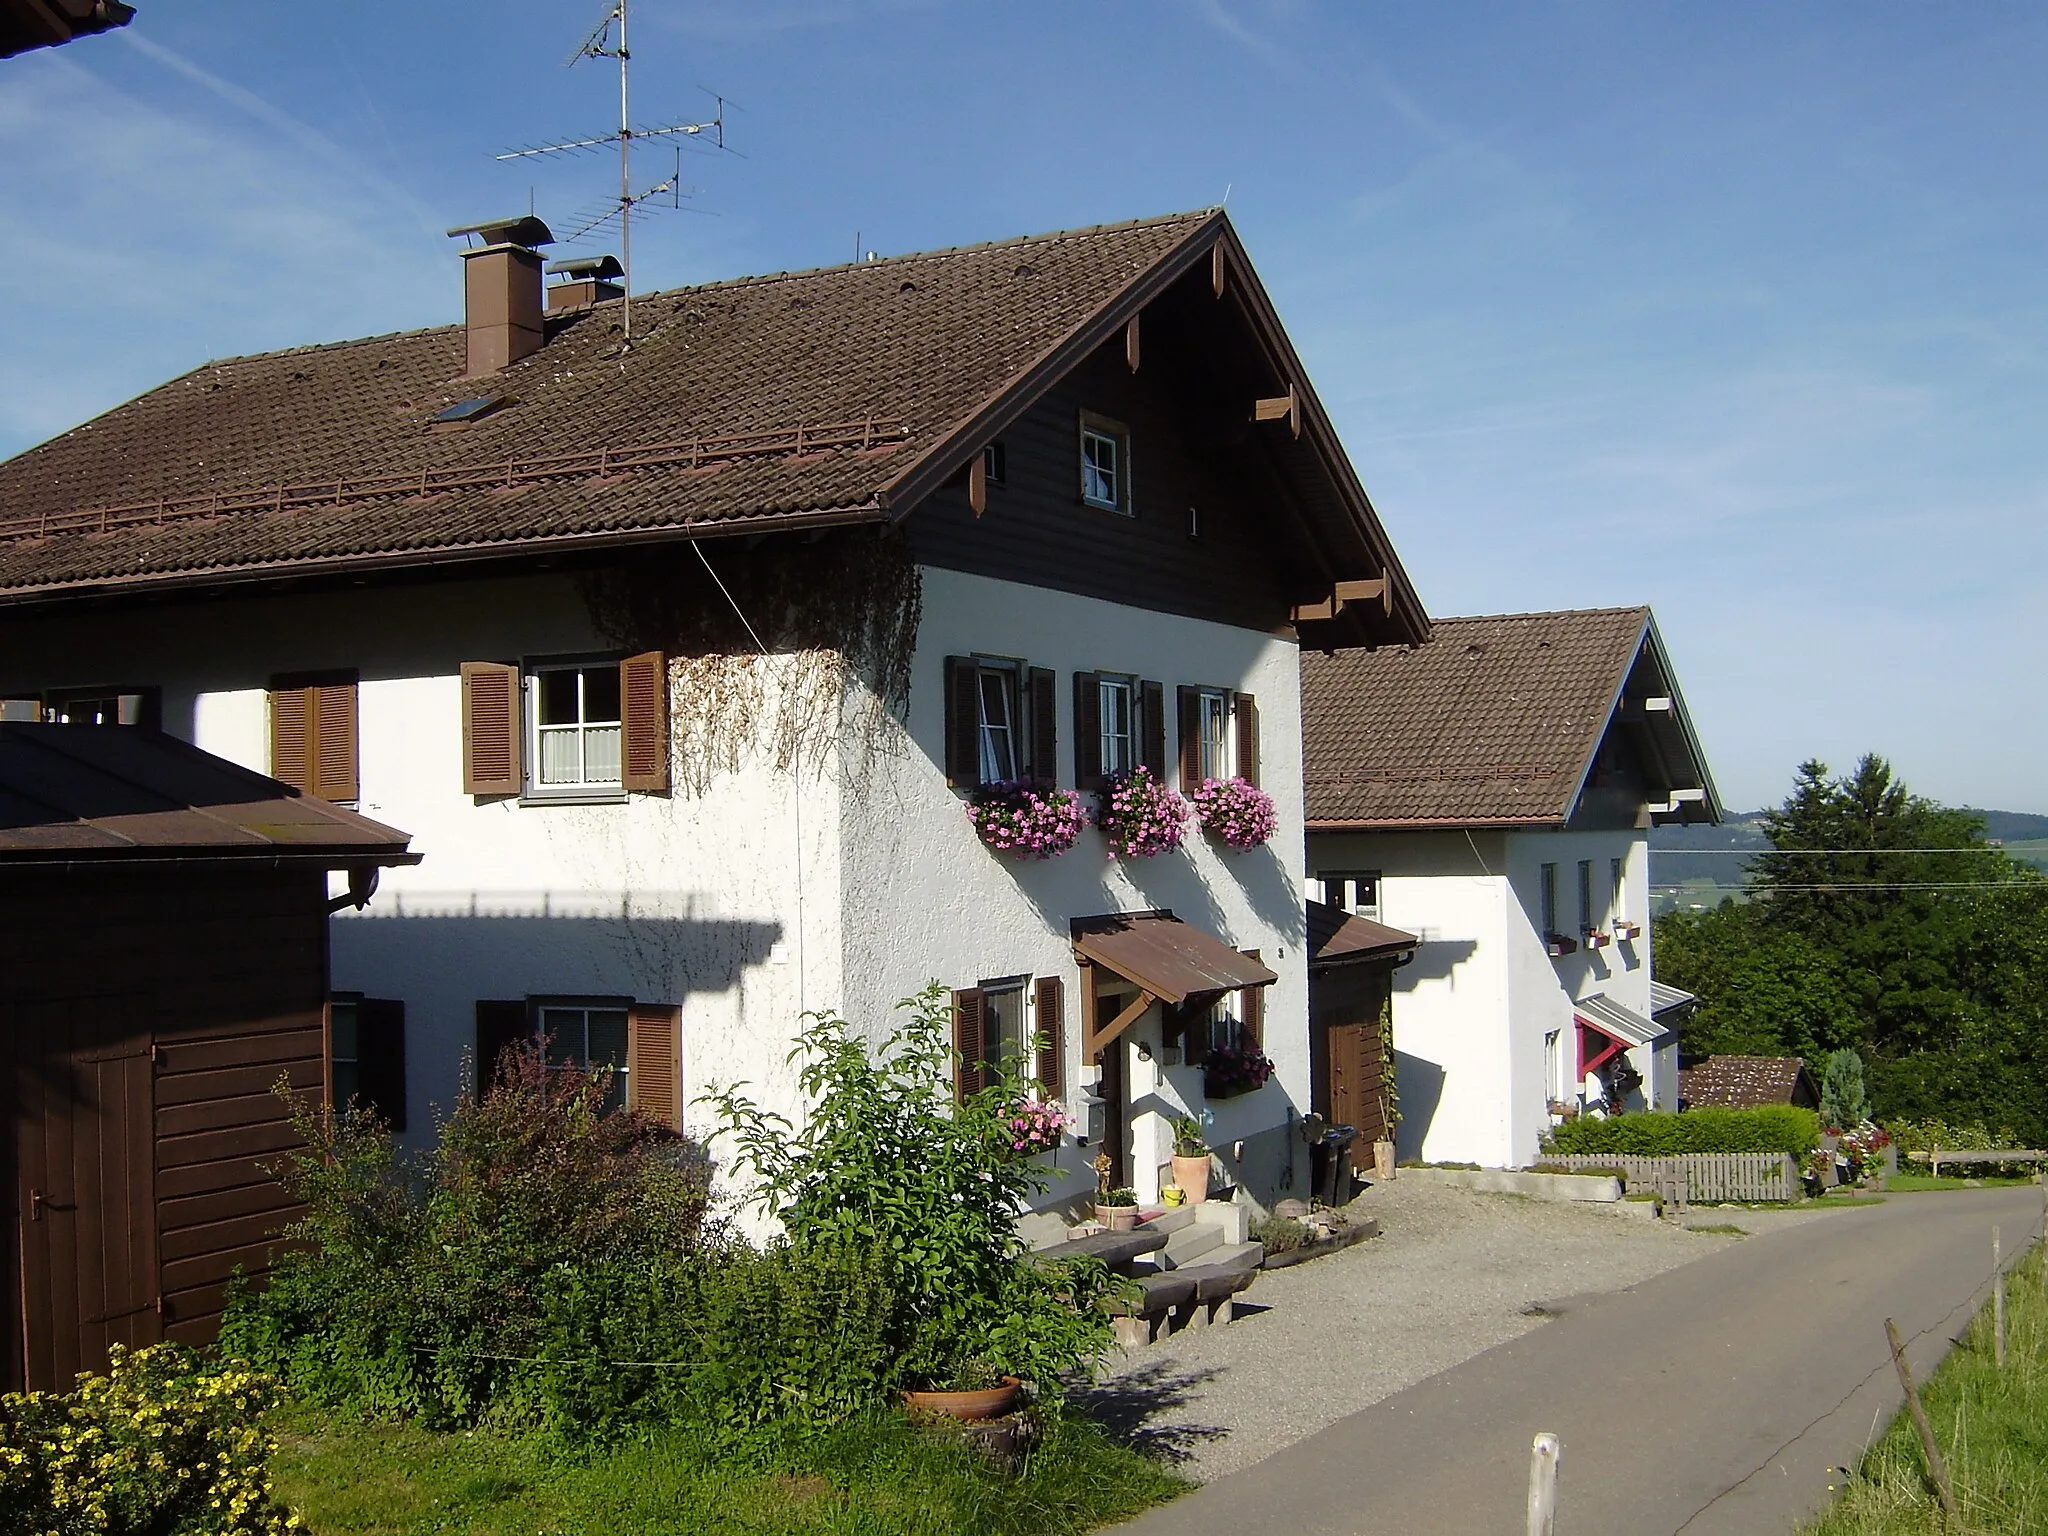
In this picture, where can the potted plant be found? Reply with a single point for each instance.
(1033, 1125)
(1138, 815)
(1190, 1159)
(1117, 1209)
(1236, 812)
(977, 1391)
(1026, 819)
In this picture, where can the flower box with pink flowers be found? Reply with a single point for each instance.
(1140, 816)
(1026, 819)
(1236, 812)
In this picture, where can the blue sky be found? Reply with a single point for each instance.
(1737, 310)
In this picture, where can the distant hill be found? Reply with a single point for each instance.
(1701, 859)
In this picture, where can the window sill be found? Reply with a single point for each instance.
(574, 797)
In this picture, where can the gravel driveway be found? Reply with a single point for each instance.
(1452, 1274)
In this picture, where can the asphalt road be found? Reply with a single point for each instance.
(1713, 1399)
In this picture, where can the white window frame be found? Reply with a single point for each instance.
(538, 1010)
(989, 735)
(1218, 749)
(992, 1040)
(1131, 738)
(1100, 429)
(539, 788)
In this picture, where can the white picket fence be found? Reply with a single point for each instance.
(1709, 1176)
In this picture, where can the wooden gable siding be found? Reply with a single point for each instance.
(217, 979)
(1037, 530)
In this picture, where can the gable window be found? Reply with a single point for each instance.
(575, 727)
(1355, 891)
(1119, 724)
(582, 1035)
(1105, 463)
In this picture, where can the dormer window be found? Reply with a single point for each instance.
(1105, 463)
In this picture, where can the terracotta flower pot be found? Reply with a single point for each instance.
(1118, 1218)
(989, 1403)
(1192, 1175)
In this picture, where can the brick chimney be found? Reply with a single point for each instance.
(586, 280)
(501, 288)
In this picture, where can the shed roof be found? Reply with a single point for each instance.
(1336, 936)
(105, 792)
(1747, 1082)
(809, 399)
(1170, 959)
(1495, 721)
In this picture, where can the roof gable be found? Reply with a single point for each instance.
(1494, 722)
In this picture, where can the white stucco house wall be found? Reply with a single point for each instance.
(680, 659)
(1492, 793)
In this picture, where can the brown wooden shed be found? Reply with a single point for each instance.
(1350, 1007)
(163, 961)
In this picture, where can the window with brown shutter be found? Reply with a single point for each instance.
(379, 1058)
(643, 711)
(491, 735)
(1188, 711)
(1087, 731)
(969, 1042)
(313, 734)
(654, 1062)
(1049, 1005)
(1252, 1008)
(1043, 712)
(1245, 714)
(1152, 713)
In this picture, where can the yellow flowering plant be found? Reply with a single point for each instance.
(159, 1444)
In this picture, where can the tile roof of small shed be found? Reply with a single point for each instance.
(93, 792)
(1494, 721)
(1745, 1082)
(1335, 935)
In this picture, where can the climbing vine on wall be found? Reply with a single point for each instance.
(837, 614)
(1389, 1094)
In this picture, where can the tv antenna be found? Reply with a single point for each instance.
(607, 40)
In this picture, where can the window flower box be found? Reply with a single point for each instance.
(1595, 939)
(1626, 931)
(1140, 816)
(1230, 1070)
(1026, 819)
(1034, 1126)
(1235, 811)
(1558, 946)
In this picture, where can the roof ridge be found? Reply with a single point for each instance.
(1084, 231)
(1439, 620)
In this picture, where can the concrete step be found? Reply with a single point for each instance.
(1172, 1219)
(1190, 1243)
(1236, 1255)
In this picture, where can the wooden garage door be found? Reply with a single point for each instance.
(85, 1184)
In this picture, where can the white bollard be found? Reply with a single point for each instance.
(1544, 1457)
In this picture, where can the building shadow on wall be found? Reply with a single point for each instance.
(1435, 960)
(1420, 1085)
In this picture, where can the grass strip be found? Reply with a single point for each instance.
(877, 1476)
(1992, 1427)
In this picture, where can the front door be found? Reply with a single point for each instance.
(1116, 1135)
(85, 1184)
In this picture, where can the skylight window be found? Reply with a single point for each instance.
(469, 410)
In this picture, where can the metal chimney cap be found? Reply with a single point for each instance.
(587, 266)
(524, 229)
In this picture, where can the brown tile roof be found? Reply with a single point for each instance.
(1335, 935)
(1747, 1082)
(121, 792)
(907, 346)
(1495, 720)
(800, 399)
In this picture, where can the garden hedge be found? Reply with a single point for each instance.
(1774, 1128)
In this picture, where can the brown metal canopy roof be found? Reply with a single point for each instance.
(74, 792)
(1336, 936)
(1166, 957)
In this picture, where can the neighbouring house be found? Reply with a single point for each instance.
(1351, 965)
(683, 655)
(163, 944)
(1747, 1082)
(1492, 792)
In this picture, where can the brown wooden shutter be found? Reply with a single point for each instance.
(643, 721)
(970, 1019)
(1252, 1007)
(380, 1058)
(1245, 715)
(1050, 1006)
(491, 736)
(1189, 701)
(291, 737)
(499, 1027)
(963, 722)
(654, 1062)
(1152, 710)
(334, 740)
(1087, 731)
(1045, 725)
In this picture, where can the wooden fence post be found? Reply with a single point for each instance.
(1936, 1467)
(1544, 1457)
(1997, 1301)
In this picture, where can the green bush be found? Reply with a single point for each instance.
(1928, 1135)
(1281, 1234)
(1774, 1128)
(888, 1162)
(157, 1447)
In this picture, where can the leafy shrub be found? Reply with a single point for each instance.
(888, 1163)
(1773, 1128)
(1930, 1135)
(407, 1286)
(1281, 1234)
(158, 1447)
